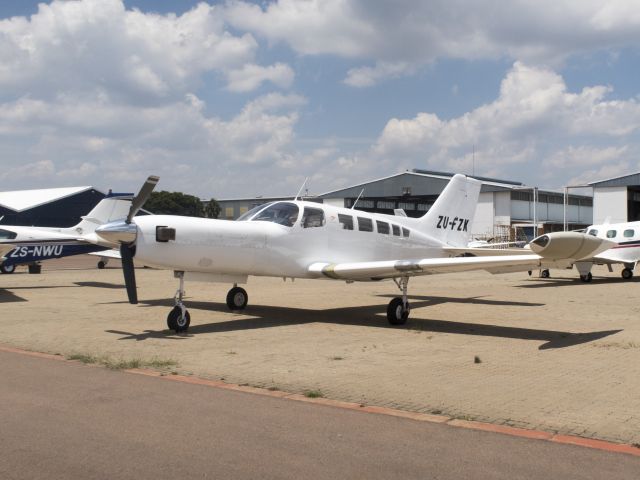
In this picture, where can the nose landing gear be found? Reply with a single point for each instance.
(179, 318)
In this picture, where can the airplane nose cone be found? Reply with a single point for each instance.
(118, 232)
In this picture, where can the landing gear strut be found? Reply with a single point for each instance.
(398, 309)
(179, 318)
(237, 298)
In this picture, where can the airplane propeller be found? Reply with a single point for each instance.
(125, 233)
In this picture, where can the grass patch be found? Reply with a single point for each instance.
(121, 363)
(337, 357)
(313, 394)
(623, 345)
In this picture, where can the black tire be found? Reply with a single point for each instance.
(396, 313)
(176, 322)
(627, 273)
(586, 278)
(545, 274)
(101, 264)
(237, 298)
(7, 268)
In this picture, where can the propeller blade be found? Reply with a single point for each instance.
(143, 195)
(129, 273)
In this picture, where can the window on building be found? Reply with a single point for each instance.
(365, 224)
(228, 212)
(611, 234)
(406, 191)
(407, 205)
(629, 233)
(405, 232)
(384, 204)
(383, 227)
(312, 217)
(346, 221)
(396, 230)
(593, 232)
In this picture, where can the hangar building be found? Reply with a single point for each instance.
(617, 199)
(53, 207)
(506, 209)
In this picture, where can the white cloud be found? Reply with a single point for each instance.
(417, 33)
(532, 120)
(368, 76)
(251, 76)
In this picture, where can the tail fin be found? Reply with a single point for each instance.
(107, 210)
(449, 219)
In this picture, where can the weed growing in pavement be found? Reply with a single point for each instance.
(123, 364)
(313, 394)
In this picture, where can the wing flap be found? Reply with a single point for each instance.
(364, 271)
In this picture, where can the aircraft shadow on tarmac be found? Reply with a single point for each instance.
(263, 316)
(118, 286)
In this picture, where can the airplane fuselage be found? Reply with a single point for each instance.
(268, 248)
(626, 235)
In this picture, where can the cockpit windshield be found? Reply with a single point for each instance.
(282, 213)
(247, 215)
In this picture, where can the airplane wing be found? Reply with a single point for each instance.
(363, 271)
(113, 253)
(4, 249)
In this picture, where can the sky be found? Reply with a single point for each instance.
(236, 98)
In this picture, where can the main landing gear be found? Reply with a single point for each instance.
(179, 318)
(7, 268)
(627, 273)
(398, 309)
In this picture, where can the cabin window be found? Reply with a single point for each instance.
(346, 221)
(593, 232)
(611, 234)
(629, 233)
(7, 235)
(396, 230)
(365, 224)
(281, 213)
(247, 215)
(405, 232)
(312, 217)
(383, 227)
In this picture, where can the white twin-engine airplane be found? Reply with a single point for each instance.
(299, 239)
(624, 240)
(26, 245)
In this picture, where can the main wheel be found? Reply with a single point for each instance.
(586, 278)
(7, 268)
(102, 264)
(397, 314)
(237, 298)
(545, 274)
(176, 321)
(627, 273)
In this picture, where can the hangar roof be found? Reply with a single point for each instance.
(633, 179)
(422, 182)
(21, 200)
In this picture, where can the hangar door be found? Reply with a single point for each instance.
(633, 203)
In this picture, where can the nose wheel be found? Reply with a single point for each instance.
(179, 318)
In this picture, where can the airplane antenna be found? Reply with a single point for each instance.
(354, 203)
(300, 191)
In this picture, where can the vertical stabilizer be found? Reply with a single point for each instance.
(449, 219)
(107, 210)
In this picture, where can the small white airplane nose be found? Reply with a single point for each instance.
(118, 232)
(569, 245)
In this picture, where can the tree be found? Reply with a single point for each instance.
(174, 203)
(211, 209)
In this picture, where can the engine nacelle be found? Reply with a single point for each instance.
(569, 245)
